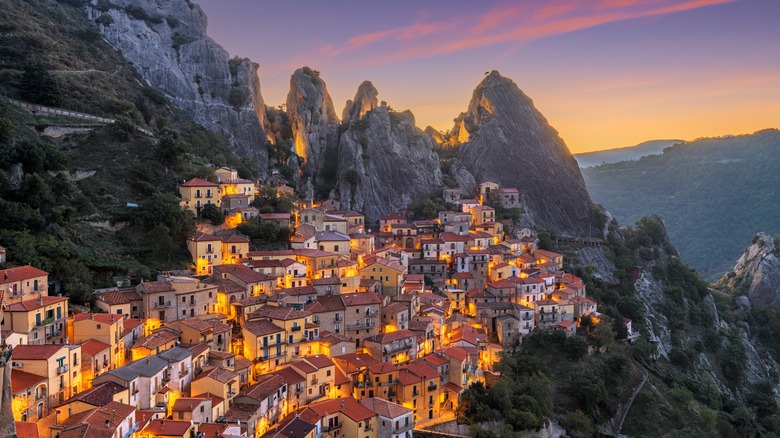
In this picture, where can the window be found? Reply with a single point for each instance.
(183, 299)
(99, 326)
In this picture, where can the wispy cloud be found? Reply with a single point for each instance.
(506, 22)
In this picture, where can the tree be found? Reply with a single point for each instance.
(213, 214)
(604, 335)
(578, 424)
(37, 85)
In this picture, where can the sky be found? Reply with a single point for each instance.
(605, 73)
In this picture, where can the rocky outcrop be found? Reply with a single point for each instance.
(466, 182)
(385, 162)
(759, 266)
(506, 140)
(314, 123)
(166, 42)
(365, 101)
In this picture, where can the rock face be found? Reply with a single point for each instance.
(504, 139)
(166, 41)
(315, 125)
(385, 161)
(760, 266)
(365, 101)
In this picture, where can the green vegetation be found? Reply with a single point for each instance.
(428, 207)
(713, 194)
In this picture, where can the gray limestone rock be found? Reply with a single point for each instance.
(760, 266)
(166, 41)
(315, 125)
(466, 182)
(504, 139)
(385, 161)
(365, 100)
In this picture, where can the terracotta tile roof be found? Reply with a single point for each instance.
(383, 368)
(105, 318)
(219, 374)
(267, 385)
(289, 375)
(479, 293)
(166, 428)
(456, 353)
(197, 182)
(325, 281)
(435, 360)
(203, 237)
(395, 266)
(199, 349)
(361, 299)
(345, 405)
(93, 347)
(546, 254)
(215, 399)
(150, 287)
(212, 430)
(423, 370)
(21, 380)
(37, 303)
(119, 296)
(298, 291)
(262, 327)
(352, 362)
(99, 395)
(187, 404)
(449, 386)
(35, 352)
(229, 287)
(384, 408)
(12, 275)
(406, 378)
(395, 307)
(26, 430)
(327, 303)
(319, 361)
(305, 252)
(243, 273)
(235, 238)
(131, 323)
(156, 340)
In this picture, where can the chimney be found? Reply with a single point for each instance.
(40, 300)
(108, 422)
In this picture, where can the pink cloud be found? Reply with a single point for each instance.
(504, 23)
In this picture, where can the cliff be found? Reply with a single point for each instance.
(504, 139)
(166, 42)
(385, 161)
(314, 122)
(758, 268)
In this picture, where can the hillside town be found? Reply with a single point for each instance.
(354, 330)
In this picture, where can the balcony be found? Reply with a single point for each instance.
(159, 305)
(402, 429)
(231, 394)
(362, 384)
(330, 428)
(314, 381)
(372, 313)
(184, 373)
(296, 328)
(527, 317)
(53, 334)
(46, 321)
(62, 369)
(105, 364)
(432, 387)
(396, 348)
(361, 325)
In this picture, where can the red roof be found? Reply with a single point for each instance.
(197, 182)
(93, 346)
(21, 380)
(167, 428)
(203, 237)
(456, 353)
(345, 405)
(36, 303)
(26, 430)
(35, 352)
(21, 273)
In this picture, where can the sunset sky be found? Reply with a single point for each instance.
(606, 74)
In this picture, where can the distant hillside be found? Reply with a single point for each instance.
(714, 194)
(652, 147)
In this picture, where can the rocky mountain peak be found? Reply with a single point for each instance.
(365, 100)
(505, 139)
(313, 119)
(758, 267)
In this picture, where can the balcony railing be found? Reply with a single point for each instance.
(62, 369)
(296, 328)
(53, 334)
(163, 304)
(432, 387)
(402, 429)
(395, 348)
(362, 384)
(232, 394)
(372, 313)
(330, 428)
(46, 321)
(360, 325)
(314, 381)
